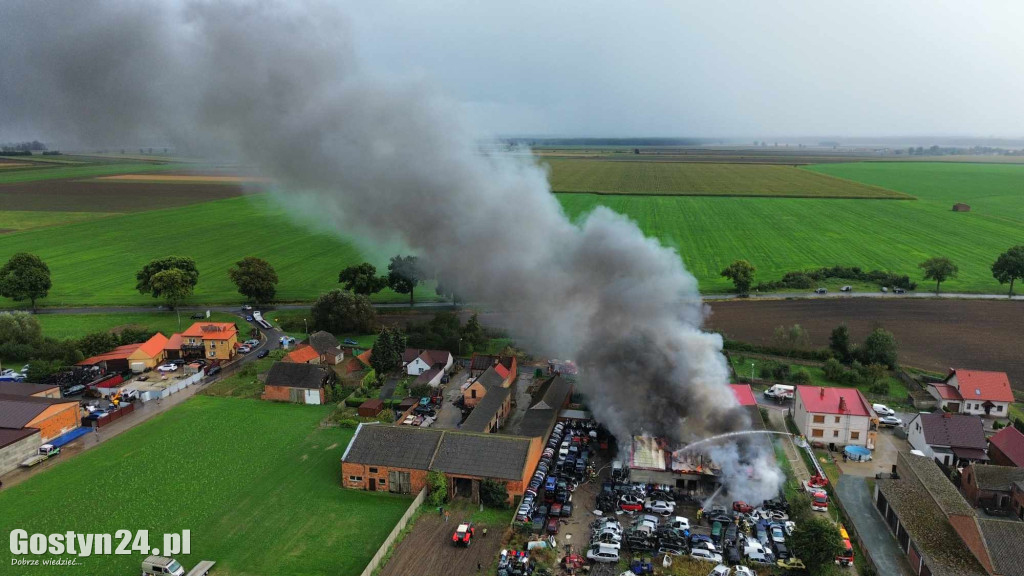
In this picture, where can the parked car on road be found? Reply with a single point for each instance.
(244, 349)
(213, 370)
(263, 354)
(198, 316)
(883, 410)
(821, 291)
(898, 291)
(890, 421)
(248, 318)
(167, 368)
(846, 289)
(246, 307)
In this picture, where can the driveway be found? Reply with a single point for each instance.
(450, 416)
(876, 539)
(882, 459)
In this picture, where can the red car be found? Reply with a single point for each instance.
(630, 504)
(552, 525)
(463, 535)
(742, 507)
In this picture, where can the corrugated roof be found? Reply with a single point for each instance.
(26, 388)
(9, 436)
(980, 385)
(1005, 539)
(1010, 442)
(17, 411)
(483, 455)
(119, 353)
(479, 420)
(394, 446)
(292, 375)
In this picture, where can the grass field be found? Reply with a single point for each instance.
(63, 326)
(28, 219)
(245, 383)
(782, 234)
(262, 486)
(95, 262)
(84, 171)
(703, 179)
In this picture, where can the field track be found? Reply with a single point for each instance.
(932, 334)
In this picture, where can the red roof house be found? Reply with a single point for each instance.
(821, 400)
(984, 393)
(303, 355)
(836, 416)
(1006, 447)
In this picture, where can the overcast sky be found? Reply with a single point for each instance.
(724, 68)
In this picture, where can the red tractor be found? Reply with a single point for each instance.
(463, 535)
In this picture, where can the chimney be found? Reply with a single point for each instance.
(822, 392)
(947, 414)
(842, 405)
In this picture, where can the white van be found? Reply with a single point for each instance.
(603, 553)
(780, 391)
(883, 410)
(154, 565)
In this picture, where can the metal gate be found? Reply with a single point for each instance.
(400, 482)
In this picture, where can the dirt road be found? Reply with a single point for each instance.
(427, 550)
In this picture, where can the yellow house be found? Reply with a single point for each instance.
(219, 339)
(149, 354)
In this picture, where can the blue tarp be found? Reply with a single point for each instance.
(70, 436)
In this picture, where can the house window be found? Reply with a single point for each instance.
(854, 435)
(373, 470)
(355, 478)
(819, 419)
(473, 393)
(381, 482)
(817, 433)
(835, 433)
(998, 409)
(837, 419)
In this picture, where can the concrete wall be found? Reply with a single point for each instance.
(393, 536)
(14, 454)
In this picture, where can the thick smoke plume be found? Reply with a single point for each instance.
(278, 85)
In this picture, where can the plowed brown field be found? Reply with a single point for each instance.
(109, 196)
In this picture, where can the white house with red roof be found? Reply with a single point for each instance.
(840, 416)
(974, 392)
(417, 362)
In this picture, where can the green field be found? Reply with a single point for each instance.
(28, 219)
(703, 179)
(34, 174)
(257, 483)
(783, 234)
(62, 326)
(95, 262)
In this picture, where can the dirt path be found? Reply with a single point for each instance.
(777, 422)
(427, 550)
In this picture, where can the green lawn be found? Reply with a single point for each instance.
(257, 483)
(703, 179)
(245, 383)
(95, 262)
(27, 219)
(741, 364)
(779, 235)
(63, 326)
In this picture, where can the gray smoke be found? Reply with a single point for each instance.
(279, 87)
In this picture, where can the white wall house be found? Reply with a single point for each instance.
(948, 438)
(840, 416)
(975, 392)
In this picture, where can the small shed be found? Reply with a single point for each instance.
(371, 408)
(960, 207)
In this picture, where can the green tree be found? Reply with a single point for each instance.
(387, 352)
(833, 370)
(741, 273)
(438, 484)
(25, 277)
(839, 343)
(880, 347)
(362, 279)
(340, 312)
(1009, 266)
(98, 342)
(939, 269)
(493, 494)
(474, 338)
(40, 370)
(791, 337)
(404, 275)
(255, 278)
(178, 286)
(818, 542)
(173, 285)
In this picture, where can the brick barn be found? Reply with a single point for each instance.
(398, 459)
(299, 383)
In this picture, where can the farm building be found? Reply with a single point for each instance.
(990, 486)
(214, 340)
(300, 383)
(172, 349)
(479, 363)
(371, 408)
(951, 439)
(938, 530)
(398, 459)
(431, 377)
(491, 412)
(960, 207)
(974, 392)
(29, 389)
(496, 376)
(149, 354)
(302, 355)
(1006, 447)
(327, 348)
(417, 362)
(51, 416)
(546, 405)
(114, 361)
(17, 444)
(840, 416)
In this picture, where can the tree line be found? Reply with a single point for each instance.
(1008, 267)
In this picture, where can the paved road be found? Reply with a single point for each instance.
(875, 537)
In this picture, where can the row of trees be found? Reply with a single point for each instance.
(1007, 268)
(403, 276)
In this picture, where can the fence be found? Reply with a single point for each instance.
(116, 415)
(383, 550)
